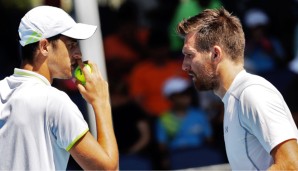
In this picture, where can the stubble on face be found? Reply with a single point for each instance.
(200, 67)
(205, 76)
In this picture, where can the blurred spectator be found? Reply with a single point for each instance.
(160, 16)
(148, 76)
(290, 91)
(286, 80)
(107, 14)
(264, 51)
(143, 8)
(182, 126)
(296, 42)
(126, 45)
(11, 13)
(131, 127)
(237, 7)
(185, 9)
(213, 106)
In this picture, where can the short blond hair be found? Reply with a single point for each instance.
(216, 27)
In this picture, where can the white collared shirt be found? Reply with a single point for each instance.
(38, 123)
(256, 120)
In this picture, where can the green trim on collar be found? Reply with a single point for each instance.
(22, 72)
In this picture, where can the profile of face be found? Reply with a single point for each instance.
(199, 65)
(64, 56)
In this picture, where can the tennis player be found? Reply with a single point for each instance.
(259, 130)
(39, 125)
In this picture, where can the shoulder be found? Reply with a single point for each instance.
(258, 99)
(56, 93)
(251, 85)
(254, 93)
(56, 99)
(261, 99)
(258, 90)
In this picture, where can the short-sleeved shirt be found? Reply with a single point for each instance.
(256, 120)
(38, 123)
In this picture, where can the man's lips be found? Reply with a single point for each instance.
(192, 75)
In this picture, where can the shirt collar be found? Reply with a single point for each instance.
(238, 76)
(26, 73)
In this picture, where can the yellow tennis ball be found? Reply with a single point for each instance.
(79, 75)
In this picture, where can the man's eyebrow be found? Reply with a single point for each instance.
(186, 50)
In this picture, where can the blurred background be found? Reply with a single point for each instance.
(160, 121)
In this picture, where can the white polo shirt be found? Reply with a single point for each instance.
(38, 123)
(256, 120)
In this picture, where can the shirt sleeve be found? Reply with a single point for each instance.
(265, 115)
(66, 121)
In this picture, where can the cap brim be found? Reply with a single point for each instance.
(80, 31)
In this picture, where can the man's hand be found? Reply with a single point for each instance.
(95, 88)
(100, 153)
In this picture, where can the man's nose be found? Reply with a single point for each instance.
(77, 54)
(185, 66)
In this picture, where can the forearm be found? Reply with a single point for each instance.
(284, 166)
(138, 146)
(144, 137)
(105, 132)
(100, 153)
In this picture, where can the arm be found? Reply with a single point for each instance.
(272, 120)
(285, 156)
(144, 129)
(89, 153)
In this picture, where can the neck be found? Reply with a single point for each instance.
(227, 73)
(41, 69)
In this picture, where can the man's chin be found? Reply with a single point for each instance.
(65, 77)
(200, 87)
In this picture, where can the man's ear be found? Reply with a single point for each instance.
(216, 54)
(43, 47)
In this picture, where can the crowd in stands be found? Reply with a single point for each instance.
(160, 121)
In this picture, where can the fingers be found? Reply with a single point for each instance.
(92, 76)
(80, 87)
(87, 69)
(80, 63)
(95, 87)
(94, 68)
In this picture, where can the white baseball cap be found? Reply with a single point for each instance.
(175, 85)
(46, 21)
(255, 17)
